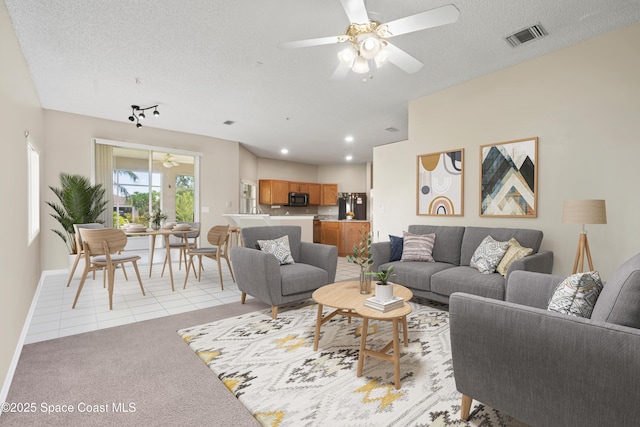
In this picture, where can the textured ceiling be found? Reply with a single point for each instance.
(205, 62)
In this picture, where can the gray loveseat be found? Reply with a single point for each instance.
(545, 368)
(260, 275)
(452, 252)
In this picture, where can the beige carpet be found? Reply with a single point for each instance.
(270, 366)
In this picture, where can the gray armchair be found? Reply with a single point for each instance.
(545, 368)
(260, 275)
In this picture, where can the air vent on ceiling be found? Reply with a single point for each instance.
(228, 122)
(391, 129)
(526, 35)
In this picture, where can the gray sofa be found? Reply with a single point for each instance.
(452, 252)
(260, 275)
(545, 368)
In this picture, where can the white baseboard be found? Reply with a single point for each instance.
(25, 329)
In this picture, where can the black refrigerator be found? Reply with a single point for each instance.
(352, 202)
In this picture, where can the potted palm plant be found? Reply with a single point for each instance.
(384, 288)
(79, 202)
(362, 256)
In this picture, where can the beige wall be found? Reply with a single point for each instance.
(582, 102)
(69, 150)
(19, 261)
(288, 171)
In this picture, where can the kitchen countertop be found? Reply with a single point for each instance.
(344, 220)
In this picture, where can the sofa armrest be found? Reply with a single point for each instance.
(541, 262)
(257, 273)
(544, 368)
(321, 256)
(530, 288)
(381, 252)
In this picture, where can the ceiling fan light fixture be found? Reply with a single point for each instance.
(347, 56)
(361, 65)
(369, 45)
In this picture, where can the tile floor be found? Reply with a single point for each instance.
(53, 316)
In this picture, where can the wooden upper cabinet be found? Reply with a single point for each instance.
(329, 195)
(314, 194)
(273, 192)
(298, 187)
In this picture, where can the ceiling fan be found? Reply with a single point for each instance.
(168, 162)
(367, 40)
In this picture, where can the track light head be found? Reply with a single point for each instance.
(131, 118)
(141, 115)
(138, 125)
(156, 112)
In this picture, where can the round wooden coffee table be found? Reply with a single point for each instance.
(345, 297)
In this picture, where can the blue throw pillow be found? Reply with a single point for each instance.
(396, 247)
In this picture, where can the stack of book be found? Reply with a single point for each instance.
(385, 306)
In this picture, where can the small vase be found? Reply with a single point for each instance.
(365, 281)
(384, 292)
(155, 226)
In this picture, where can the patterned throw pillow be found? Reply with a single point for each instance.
(514, 253)
(488, 255)
(417, 247)
(577, 294)
(279, 248)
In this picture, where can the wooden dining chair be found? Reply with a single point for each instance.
(183, 245)
(101, 251)
(79, 250)
(218, 237)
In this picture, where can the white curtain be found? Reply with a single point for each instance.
(104, 176)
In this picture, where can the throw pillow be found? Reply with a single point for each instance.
(514, 253)
(396, 247)
(488, 255)
(577, 294)
(417, 247)
(279, 248)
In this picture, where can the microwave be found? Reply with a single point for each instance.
(298, 199)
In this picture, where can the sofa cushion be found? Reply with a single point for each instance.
(448, 241)
(619, 301)
(467, 279)
(298, 278)
(488, 255)
(415, 275)
(577, 294)
(250, 236)
(514, 252)
(417, 247)
(473, 236)
(279, 248)
(396, 247)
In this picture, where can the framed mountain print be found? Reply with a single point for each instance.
(509, 179)
(440, 181)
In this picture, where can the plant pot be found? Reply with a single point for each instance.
(384, 292)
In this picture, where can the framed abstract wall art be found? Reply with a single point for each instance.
(440, 181)
(509, 179)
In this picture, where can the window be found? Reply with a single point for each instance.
(185, 198)
(33, 170)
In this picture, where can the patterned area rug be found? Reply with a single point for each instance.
(270, 366)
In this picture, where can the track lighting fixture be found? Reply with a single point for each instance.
(137, 114)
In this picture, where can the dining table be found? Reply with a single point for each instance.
(164, 232)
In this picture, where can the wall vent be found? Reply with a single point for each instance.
(526, 35)
(391, 129)
(228, 122)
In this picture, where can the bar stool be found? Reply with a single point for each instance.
(234, 231)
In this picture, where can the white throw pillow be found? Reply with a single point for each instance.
(577, 294)
(488, 255)
(279, 248)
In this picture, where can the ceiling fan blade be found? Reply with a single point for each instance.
(340, 72)
(310, 42)
(403, 60)
(356, 11)
(421, 21)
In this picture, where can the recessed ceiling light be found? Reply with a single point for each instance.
(284, 151)
(349, 158)
(349, 138)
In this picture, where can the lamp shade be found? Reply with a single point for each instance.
(584, 212)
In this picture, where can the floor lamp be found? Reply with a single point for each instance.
(584, 212)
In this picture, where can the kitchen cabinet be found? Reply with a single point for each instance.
(343, 234)
(273, 192)
(328, 194)
(298, 187)
(317, 231)
(314, 194)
